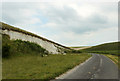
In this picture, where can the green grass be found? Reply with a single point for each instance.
(107, 48)
(36, 67)
(111, 52)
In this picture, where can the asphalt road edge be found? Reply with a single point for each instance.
(73, 69)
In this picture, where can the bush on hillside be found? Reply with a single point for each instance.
(73, 51)
(5, 46)
(6, 51)
(76, 51)
(17, 47)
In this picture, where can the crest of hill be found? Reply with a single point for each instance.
(105, 47)
(4, 26)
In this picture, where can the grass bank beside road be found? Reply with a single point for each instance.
(114, 58)
(37, 67)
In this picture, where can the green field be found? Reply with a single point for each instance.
(37, 67)
(112, 52)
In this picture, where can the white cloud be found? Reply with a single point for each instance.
(66, 23)
(89, 38)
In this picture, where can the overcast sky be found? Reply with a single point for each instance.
(68, 23)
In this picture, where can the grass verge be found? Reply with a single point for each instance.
(110, 52)
(114, 58)
(37, 67)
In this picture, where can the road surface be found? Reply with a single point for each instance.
(97, 67)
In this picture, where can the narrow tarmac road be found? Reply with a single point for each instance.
(97, 67)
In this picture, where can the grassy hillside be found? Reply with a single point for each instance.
(107, 48)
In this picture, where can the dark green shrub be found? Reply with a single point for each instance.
(6, 51)
(19, 47)
(27, 47)
(72, 51)
(5, 46)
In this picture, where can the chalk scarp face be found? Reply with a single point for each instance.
(16, 33)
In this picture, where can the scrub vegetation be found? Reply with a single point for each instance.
(12, 48)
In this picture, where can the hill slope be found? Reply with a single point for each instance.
(106, 46)
(111, 48)
(4, 26)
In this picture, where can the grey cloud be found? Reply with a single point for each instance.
(61, 15)
(98, 19)
(67, 19)
(78, 25)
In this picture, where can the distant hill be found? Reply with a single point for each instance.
(111, 48)
(106, 46)
(80, 47)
